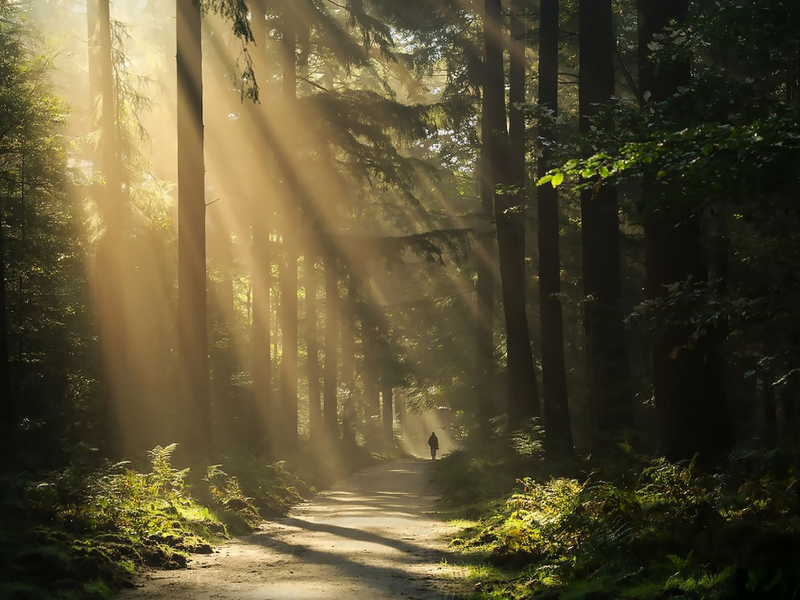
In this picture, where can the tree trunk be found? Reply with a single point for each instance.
(770, 408)
(789, 407)
(516, 126)
(330, 412)
(8, 418)
(262, 425)
(311, 237)
(349, 375)
(109, 198)
(312, 351)
(370, 376)
(523, 396)
(400, 408)
(606, 344)
(688, 385)
(484, 333)
(192, 330)
(288, 311)
(388, 412)
(558, 435)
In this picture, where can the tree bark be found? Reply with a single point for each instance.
(523, 396)
(516, 125)
(770, 408)
(288, 311)
(7, 401)
(484, 331)
(312, 351)
(192, 329)
(106, 160)
(262, 425)
(330, 387)
(606, 344)
(558, 434)
(388, 414)
(789, 407)
(400, 408)
(370, 376)
(312, 235)
(349, 375)
(687, 381)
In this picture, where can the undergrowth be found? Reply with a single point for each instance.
(83, 532)
(633, 527)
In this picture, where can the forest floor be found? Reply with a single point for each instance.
(373, 535)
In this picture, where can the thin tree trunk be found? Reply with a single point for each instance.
(789, 408)
(192, 330)
(7, 401)
(770, 408)
(388, 412)
(349, 333)
(289, 372)
(312, 350)
(484, 333)
(370, 377)
(262, 426)
(688, 386)
(400, 408)
(330, 412)
(558, 434)
(523, 396)
(606, 344)
(312, 234)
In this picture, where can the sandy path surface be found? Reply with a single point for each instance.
(373, 536)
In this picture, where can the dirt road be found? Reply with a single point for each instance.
(372, 537)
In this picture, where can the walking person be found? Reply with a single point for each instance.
(433, 442)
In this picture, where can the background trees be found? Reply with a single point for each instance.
(382, 148)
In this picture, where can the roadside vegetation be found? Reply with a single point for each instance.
(630, 526)
(84, 531)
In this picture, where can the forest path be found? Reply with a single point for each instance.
(373, 536)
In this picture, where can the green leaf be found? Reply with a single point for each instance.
(558, 179)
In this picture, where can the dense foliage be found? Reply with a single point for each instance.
(631, 527)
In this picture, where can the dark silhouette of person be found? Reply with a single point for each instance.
(433, 442)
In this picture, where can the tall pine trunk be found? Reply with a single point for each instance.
(8, 413)
(688, 386)
(523, 397)
(558, 435)
(109, 198)
(349, 375)
(330, 387)
(262, 425)
(484, 332)
(289, 282)
(312, 348)
(192, 329)
(311, 237)
(370, 376)
(606, 344)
